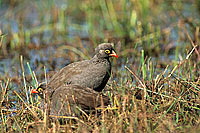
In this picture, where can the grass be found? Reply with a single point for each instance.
(154, 83)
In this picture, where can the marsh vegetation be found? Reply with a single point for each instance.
(155, 82)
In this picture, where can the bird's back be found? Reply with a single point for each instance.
(88, 73)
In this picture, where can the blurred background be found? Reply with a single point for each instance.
(56, 32)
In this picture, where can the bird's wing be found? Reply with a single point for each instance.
(65, 74)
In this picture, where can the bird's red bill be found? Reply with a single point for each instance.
(114, 54)
(34, 91)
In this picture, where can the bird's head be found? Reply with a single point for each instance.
(105, 50)
(40, 90)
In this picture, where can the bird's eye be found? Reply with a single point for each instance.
(107, 51)
(40, 90)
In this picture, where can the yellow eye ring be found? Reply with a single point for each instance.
(40, 90)
(107, 51)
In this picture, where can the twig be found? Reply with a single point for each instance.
(136, 76)
(194, 45)
(23, 75)
(4, 91)
(34, 114)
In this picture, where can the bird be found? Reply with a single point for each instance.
(93, 73)
(70, 99)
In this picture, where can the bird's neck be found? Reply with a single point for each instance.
(99, 58)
